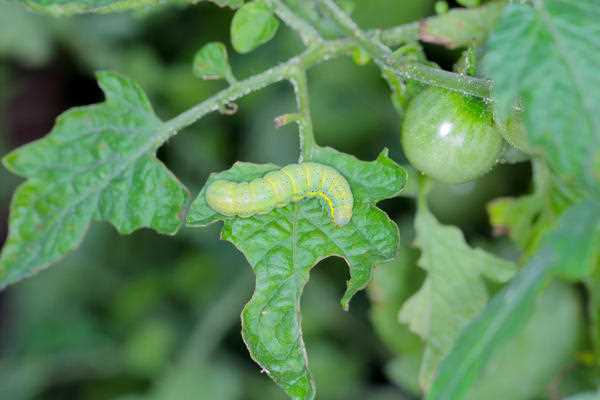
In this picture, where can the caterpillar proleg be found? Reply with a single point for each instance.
(277, 189)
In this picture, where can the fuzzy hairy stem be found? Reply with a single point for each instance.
(307, 136)
(307, 32)
(320, 52)
(419, 72)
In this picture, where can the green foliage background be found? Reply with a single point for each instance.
(149, 317)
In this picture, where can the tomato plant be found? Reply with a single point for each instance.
(508, 308)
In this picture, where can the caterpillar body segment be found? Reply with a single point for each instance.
(277, 189)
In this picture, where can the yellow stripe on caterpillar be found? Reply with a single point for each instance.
(324, 197)
(289, 185)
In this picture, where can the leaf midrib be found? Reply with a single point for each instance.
(136, 156)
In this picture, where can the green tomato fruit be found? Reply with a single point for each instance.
(450, 137)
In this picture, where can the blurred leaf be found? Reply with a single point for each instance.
(441, 7)
(526, 218)
(253, 25)
(469, 3)
(585, 396)
(24, 36)
(335, 382)
(569, 250)
(553, 71)
(385, 393)
(404, 371)
(285, 244)
(593, 310)
(556, 323)
(460, 27)
(98, 162)
(310, 11)
(26, 378)
(149, 346)
(21, 382)
(523, 218)
(136, 299)
(454, 290)
(393, 283)
(229, 3)
(219, 379)
(387, 13)
(210, 62)
(69, 7)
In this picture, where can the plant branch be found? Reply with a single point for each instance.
(419, 72)
(376, 49)
(310, 57)
(307, 136)
(307, 32)
(320, 52)
(399, 35)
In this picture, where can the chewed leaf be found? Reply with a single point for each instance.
(98, 162)
(283, 245)
(453, 292)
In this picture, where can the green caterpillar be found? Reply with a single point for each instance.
(277, 189)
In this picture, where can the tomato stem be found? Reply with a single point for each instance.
(318, 52)
(307, 136)
(307, 32)
(383, 57)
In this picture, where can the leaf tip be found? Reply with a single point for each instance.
(384, 153)
(345, 304)
(348, 295)
(105, 74)
(8, 162)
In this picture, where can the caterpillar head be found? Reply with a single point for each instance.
(342, 215)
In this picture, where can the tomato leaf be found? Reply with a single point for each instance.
(285, 244)
(70, 7)
(211, 62)
(454, 291)
(570, 250)
(553, 70)
(31, 43)
(98, 162)
(253, 25)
